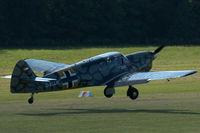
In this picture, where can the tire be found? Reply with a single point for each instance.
(106, 94)
(132, 93)
(30, 100)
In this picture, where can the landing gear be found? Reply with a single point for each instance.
(31, 99)
(132, 93)
(109, 91)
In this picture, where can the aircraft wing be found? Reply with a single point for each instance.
(45, 66)
(144, 77)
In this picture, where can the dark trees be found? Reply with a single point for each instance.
(66, 22)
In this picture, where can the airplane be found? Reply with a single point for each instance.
(112, 69)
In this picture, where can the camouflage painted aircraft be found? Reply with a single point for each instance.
(111, 69)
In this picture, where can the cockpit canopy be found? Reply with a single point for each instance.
(107, 57)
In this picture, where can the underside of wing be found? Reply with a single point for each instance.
(144, 77)
(45, 66)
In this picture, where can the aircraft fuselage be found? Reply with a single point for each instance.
(97, 71)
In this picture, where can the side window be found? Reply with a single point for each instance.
(116, 60)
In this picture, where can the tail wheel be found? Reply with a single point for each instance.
(31, 99)
(132, 93)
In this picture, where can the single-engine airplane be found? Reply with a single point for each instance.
(111, 69)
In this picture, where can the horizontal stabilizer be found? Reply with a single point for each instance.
(39, 79)
(6, 77)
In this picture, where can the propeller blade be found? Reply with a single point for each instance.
(159, 49)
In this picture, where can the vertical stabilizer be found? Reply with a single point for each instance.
(22, 78)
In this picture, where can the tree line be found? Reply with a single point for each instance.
(98, 22)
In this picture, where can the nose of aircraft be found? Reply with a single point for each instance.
(155, 53)
(159, 49)
(155, 56)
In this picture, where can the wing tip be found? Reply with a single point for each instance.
(191, 72)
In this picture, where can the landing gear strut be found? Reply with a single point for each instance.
(31, 99)
(132, 93)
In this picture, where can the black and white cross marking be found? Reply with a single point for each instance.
(69, 79)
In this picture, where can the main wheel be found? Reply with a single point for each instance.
(30, 100)
(132, 93)
(108, 92)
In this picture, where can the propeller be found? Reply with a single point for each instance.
(158, 49)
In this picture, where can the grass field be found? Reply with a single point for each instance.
(161, 107)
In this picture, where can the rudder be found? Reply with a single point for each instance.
(22, 78)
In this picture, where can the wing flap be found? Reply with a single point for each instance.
(45, 66)
(144, 77)
(130, 82)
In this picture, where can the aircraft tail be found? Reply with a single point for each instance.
(22, 78)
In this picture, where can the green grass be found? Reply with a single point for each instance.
(161, 107)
